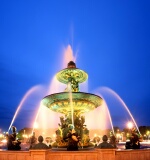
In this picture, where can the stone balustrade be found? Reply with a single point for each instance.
(96, 154)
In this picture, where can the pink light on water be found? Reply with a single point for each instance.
(45, 118)
(108, 90)
(35, 124)
(99, 118)
(110, 120)
(55, 86)
(68, 56)
(33, 89)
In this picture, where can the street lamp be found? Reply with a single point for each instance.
(147, 133)
(35, 125)
(130, 125)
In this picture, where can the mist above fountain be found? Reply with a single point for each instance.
(72, 104)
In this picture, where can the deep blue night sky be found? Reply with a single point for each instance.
(111, 38)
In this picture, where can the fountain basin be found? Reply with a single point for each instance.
(82, 102)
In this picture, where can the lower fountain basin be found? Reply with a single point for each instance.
(82, 102)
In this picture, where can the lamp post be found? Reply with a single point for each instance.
(24, 135)
(130, 125)
(147, 133)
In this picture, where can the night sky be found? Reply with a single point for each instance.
(110, 39)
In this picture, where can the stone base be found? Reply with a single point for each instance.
(96, 154)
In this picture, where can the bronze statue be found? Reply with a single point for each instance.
(12, 142)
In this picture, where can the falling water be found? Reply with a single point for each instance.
(45, 118)
(68, 56)
(33, 89)
(71, 104)
(55, 86)
(35, 121)
(102, 120)
(109, 116)
(108, 90)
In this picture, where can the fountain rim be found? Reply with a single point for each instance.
(59, 102)
(73, 93)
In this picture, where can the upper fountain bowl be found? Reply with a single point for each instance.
(75, 73)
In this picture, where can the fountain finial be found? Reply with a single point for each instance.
(71, 64)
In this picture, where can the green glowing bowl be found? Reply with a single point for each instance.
(78, 74)
(81, 102)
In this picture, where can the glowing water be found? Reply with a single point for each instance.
(46, 118)
(33, 89)
(68, 56)
(100, 115)
(55, 86)
(99, 120)
(35, 124)
(115, 96)
(109, 117)
(71, 104)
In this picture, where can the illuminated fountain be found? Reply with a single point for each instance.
(74, 108)
(72, 104)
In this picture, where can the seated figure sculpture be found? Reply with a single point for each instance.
(12, 142)
(113, 140)
(32, 140)
(97, 141)
(73, 140)
(40, 145)
(134, 142)
(105, 144)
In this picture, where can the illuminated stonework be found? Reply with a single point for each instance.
(75, 73)
(82, 102)
(74, 76)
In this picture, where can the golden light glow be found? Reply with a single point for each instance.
(35, 125)
(130, 125)
(95, 135)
